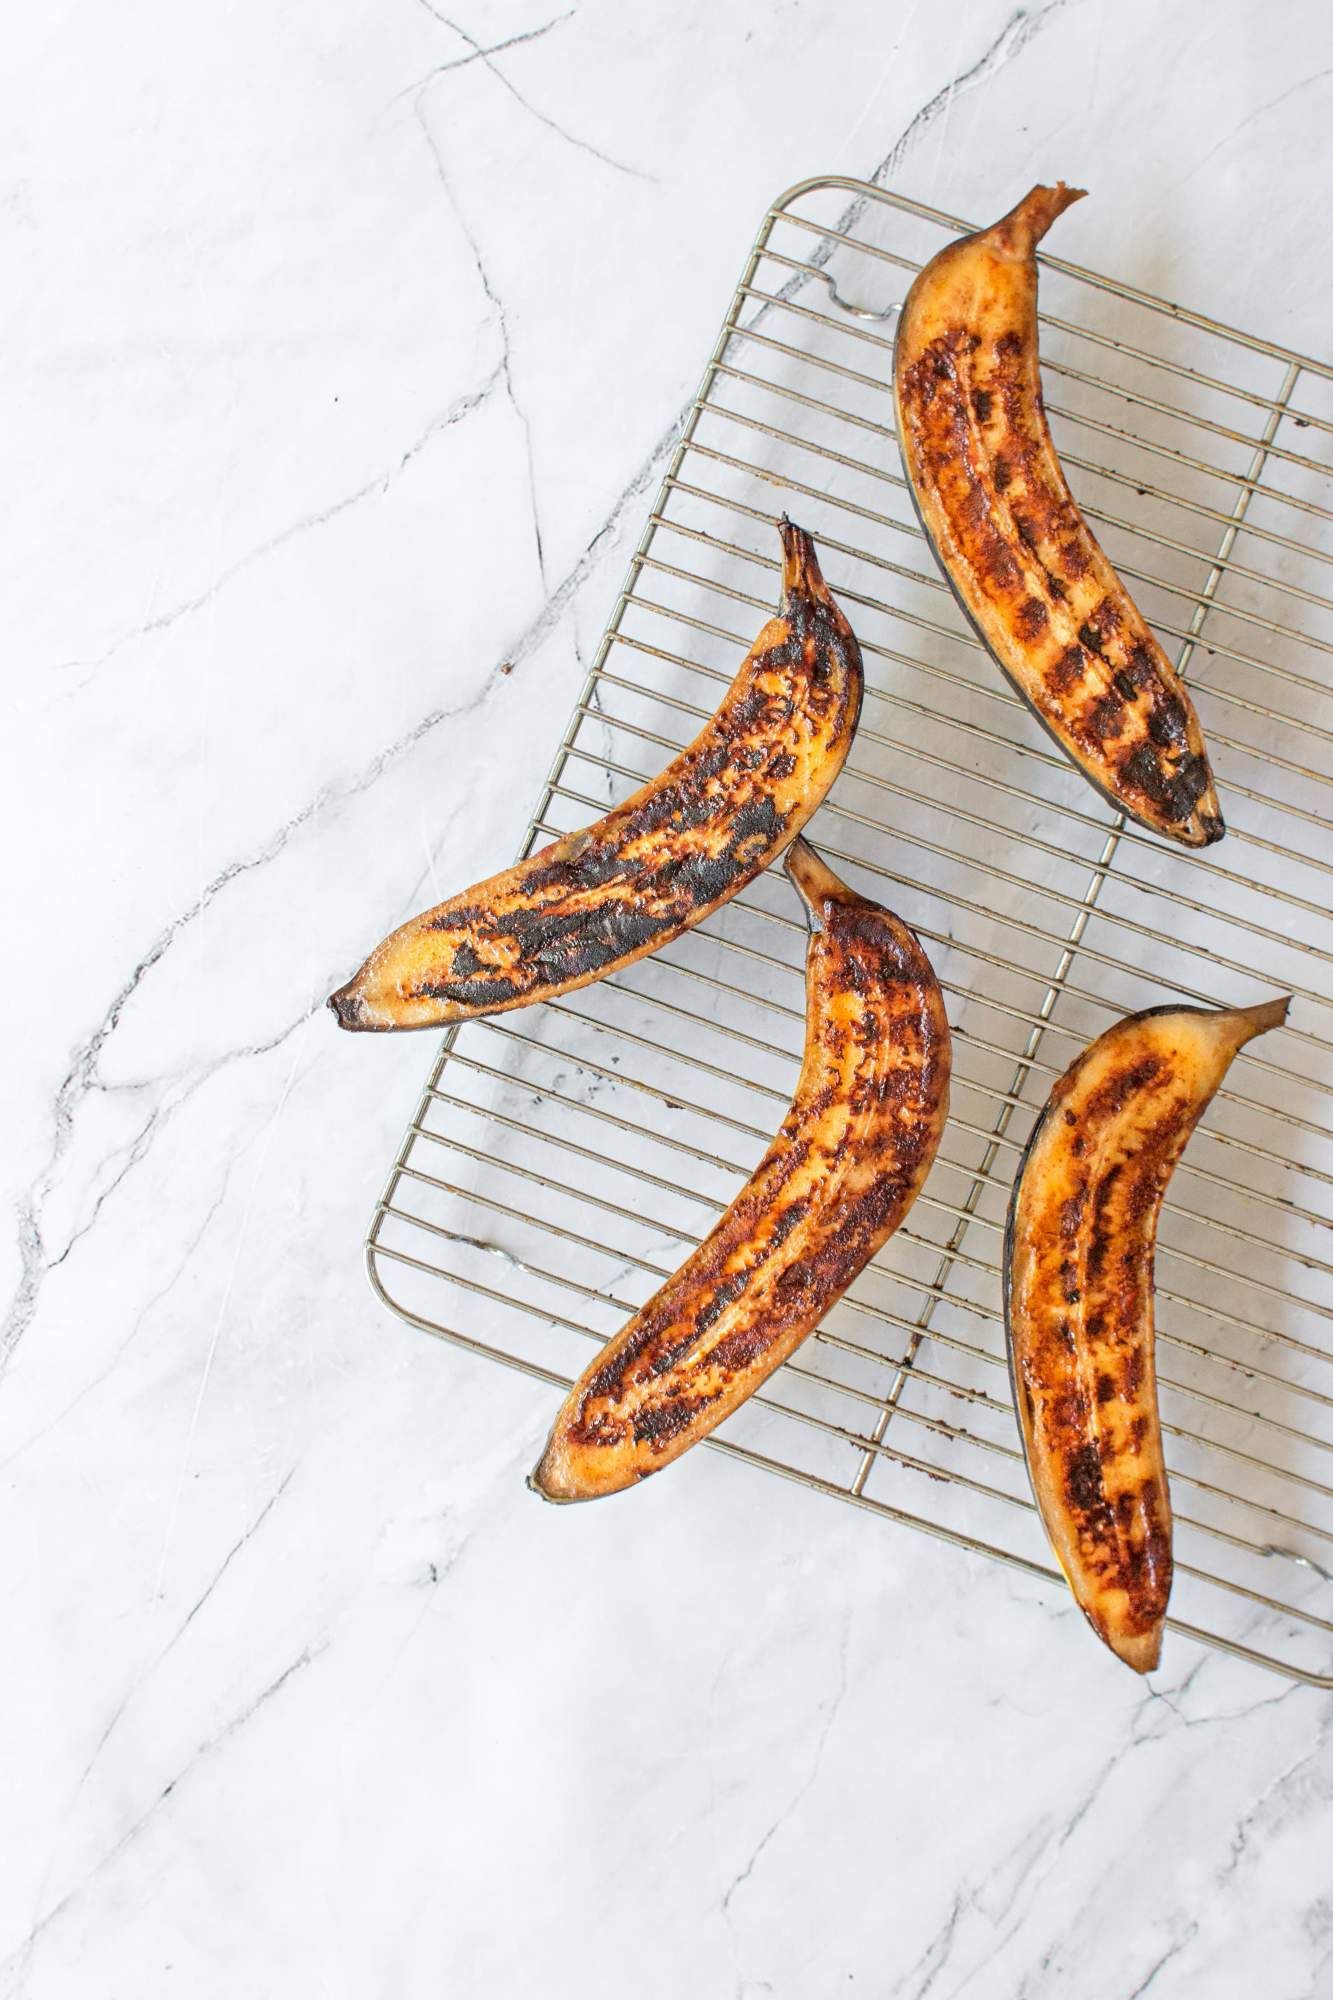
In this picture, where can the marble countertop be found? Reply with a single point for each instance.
(344, 348)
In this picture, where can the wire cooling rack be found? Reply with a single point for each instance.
(564, 1159)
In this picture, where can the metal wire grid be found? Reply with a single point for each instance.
(563, 1160)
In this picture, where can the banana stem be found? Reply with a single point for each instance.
(801, 574)
(1259, 1019)
(814, 881)
(1018, 233)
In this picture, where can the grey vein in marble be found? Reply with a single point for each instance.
(486, 57)
(502, 322)
(81, 1078)
(17, 1962)
(462, 407)
(482, 52)
(1018, 33)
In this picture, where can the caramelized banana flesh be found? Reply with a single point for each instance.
(677, 848)
(836, 1182)
(1079, 1255)
(1009, 536)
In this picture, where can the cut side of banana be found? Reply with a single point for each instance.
(1079, 1256)
(1009, 536)
(681, 845)
(836, 1182)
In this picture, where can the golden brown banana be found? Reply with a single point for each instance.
(1010, 539)
(684, 843)
(1079, 1303)
(836, 1182)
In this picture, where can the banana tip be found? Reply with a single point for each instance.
(1140, 1650)
(801, 574)
(354, 1010)
(349, 1009)
(544, 1480)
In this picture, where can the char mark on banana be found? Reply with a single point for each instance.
(680, 846)
(996, 508)
(840, 1175)
(1079, 1256)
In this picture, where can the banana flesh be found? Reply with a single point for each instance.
(689, 840)
(1009, 536)
(836, 1182)
(1079, 1254)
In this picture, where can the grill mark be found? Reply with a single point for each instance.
(937, 383)
(1168, 725)
(664, 1421)
(487, 993)
(1165, 723)
(1176, 793)
(724, 1296)
(1083, 1479)
(1141, 669)
(1049, 518)
(546, 935)
(1068, 670)
(1136, 1074)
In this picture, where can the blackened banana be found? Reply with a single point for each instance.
(836, 1182)
(1011, 540)
(1079, 1303)
(677, 848)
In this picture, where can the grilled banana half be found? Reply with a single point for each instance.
(677, 848)
(1079, 1303)
(832, 1188)
(1010, 538)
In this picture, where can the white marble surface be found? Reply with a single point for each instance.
(342, 345)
